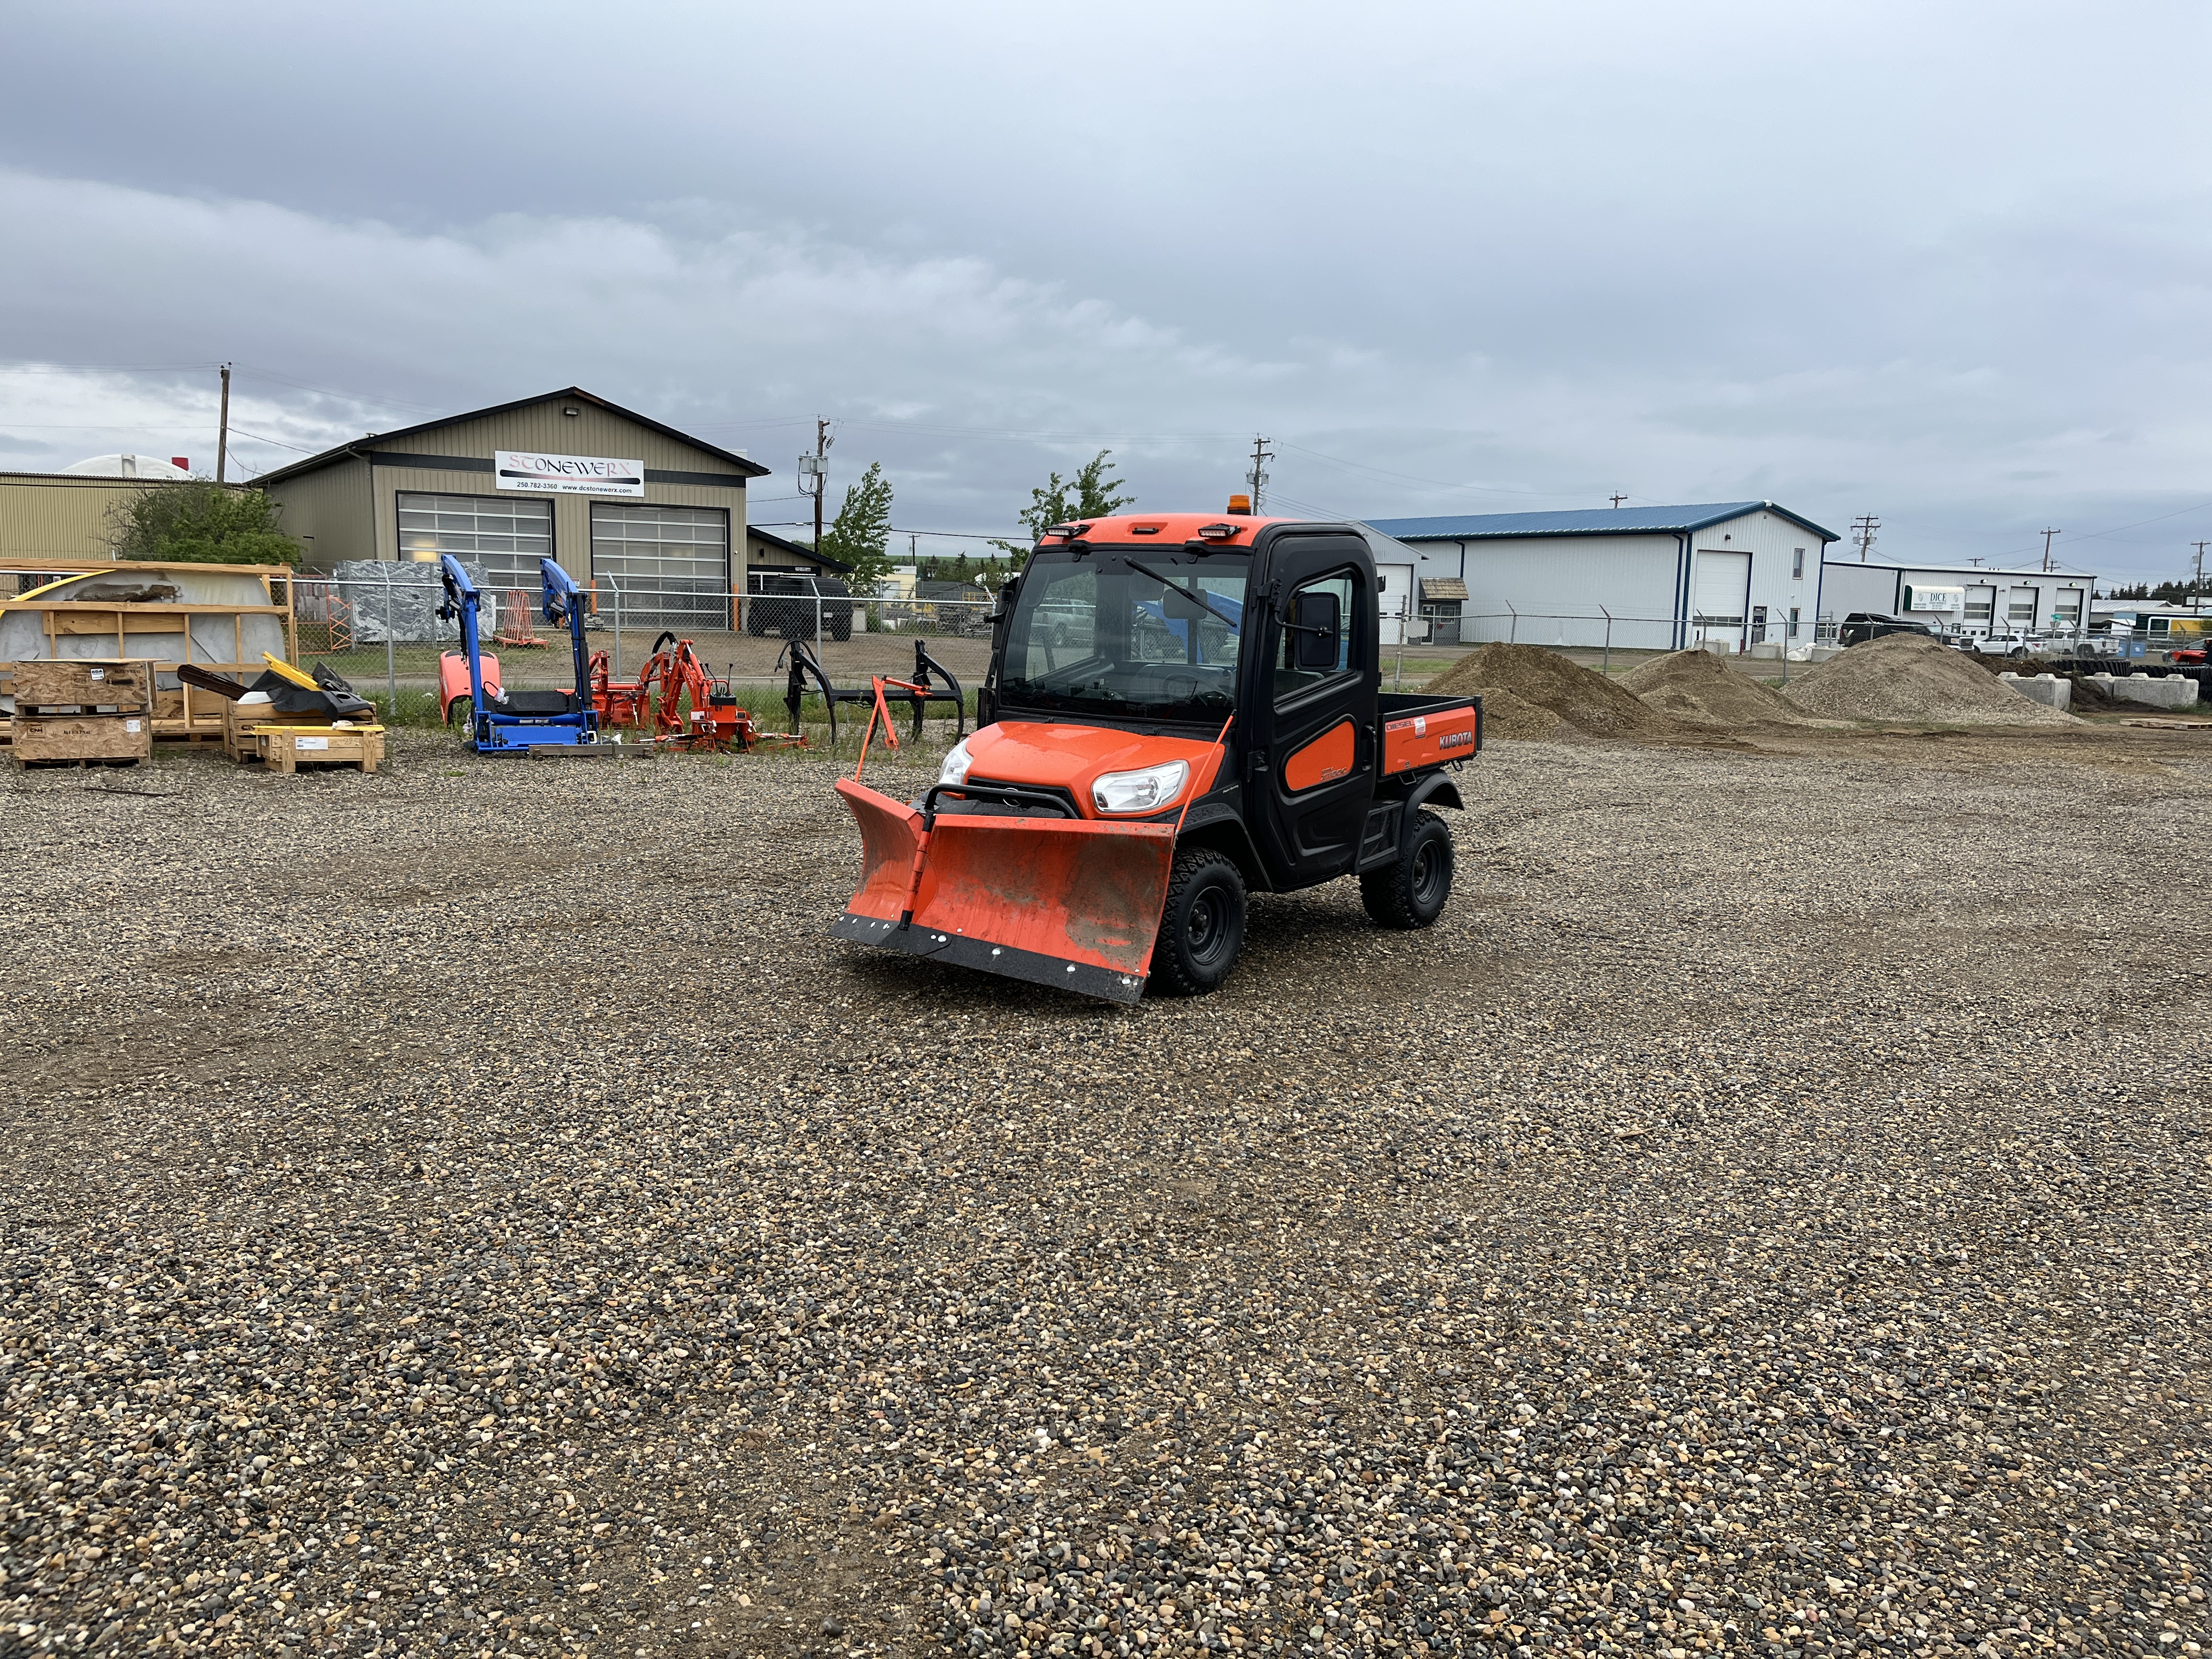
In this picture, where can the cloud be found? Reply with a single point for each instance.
(1975, 389)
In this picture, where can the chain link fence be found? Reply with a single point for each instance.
(385, 637)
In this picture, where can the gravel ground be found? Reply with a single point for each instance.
(474, 1211)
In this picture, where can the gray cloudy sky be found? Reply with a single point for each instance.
(1945, 264)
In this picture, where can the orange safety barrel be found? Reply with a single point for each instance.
(1064, 902)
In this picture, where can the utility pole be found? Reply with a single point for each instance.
(223, 434)
(814, 474)
(2047, 535)
(1618, 498)
(1257, 477)
(2196, 589)
(1863, 528)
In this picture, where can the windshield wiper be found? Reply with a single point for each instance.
(1190, 593)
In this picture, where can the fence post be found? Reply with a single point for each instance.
(1405, 622)
(1513, 630)
(818, 619)
(1606, 668)
(391, 654)
(615, 588)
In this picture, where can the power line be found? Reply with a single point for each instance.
(1410, 477)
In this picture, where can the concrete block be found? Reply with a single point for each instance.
(2046, 689)
(2150, 690)
(1822, 654)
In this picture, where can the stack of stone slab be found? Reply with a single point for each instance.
(413, 592)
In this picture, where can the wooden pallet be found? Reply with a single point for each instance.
(288, 747)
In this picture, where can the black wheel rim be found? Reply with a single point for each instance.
(1428, 868)
(1206, 931)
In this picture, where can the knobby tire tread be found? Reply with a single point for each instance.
(1387, 893)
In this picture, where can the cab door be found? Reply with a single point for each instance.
(1314, 776)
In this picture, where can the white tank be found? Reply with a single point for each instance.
(128, 466)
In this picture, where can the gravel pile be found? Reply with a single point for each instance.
(1698, 689)
(474, 1210)
(1910, 678)
(1538, 679)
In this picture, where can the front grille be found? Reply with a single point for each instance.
(1003, 810)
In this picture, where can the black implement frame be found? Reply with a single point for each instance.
(928, 673)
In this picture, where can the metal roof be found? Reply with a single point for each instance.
(799, 548)
(1597, 521)
(746, 469)
(1936, 568)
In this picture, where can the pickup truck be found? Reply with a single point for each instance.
(1180, 710)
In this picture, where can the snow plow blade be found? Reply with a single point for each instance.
(1062, 902)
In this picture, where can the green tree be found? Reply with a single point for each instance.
(200, 523)
(862, 532)
(1088, 494)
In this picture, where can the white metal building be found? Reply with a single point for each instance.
(1730, 574)
(1961, 597)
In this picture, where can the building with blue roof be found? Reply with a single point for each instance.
(1728, 575)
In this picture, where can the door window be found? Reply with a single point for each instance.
(673, 563)
(1301, 651)
(501, 536)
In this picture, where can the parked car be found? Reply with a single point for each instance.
(787, 606)
(2001, 644)
(1863, 625)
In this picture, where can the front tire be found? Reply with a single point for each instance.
(1411, 890)
(1201, 927)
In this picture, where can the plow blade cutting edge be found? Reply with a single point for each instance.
(1061, 902)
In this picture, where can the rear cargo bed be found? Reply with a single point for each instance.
(1423, 731)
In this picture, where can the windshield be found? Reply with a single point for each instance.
(1152, 632)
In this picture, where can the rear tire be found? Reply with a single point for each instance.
(1201, 927)
(1411, 890)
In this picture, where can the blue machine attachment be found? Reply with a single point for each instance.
(516, 722)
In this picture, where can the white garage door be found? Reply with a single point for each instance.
(1719, 590)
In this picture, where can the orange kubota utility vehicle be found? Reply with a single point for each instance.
(1180, 709)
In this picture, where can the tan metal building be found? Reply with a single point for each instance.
(608, 493)
(62, 515)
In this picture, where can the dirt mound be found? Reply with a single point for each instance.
(1698, 689)
(1508, 718)
(1908, 677)
(1539, 680)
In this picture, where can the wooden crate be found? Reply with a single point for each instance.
(288, 747)
(158, 632)
(240, 740)
(111, 739)
(79, 685)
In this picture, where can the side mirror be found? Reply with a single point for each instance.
(1004, 606)
(1318, 621)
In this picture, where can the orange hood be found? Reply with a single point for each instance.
(1070, 756)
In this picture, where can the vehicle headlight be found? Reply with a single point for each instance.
(956, 762)
(1139, 792)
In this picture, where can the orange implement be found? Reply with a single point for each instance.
(1066, 901)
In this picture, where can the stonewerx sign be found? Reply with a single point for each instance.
(566, 475)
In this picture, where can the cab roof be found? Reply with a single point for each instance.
(1171, 529)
